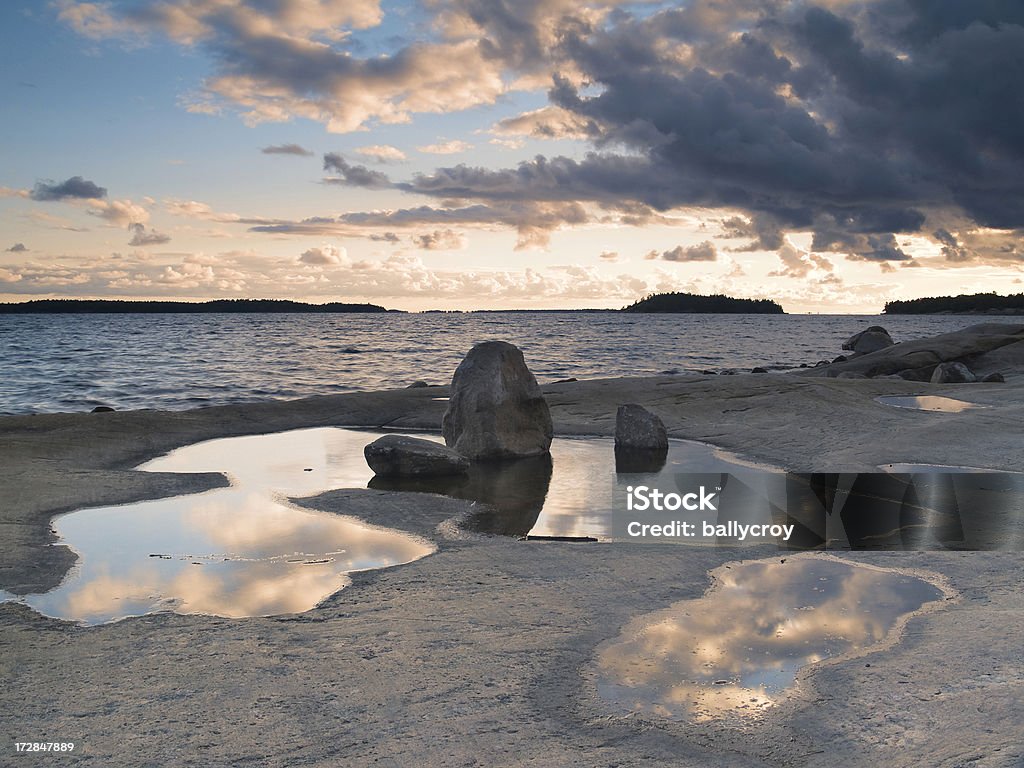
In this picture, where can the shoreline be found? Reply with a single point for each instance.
(55, 463)
(488, 644)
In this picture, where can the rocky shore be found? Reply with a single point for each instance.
(481, 654)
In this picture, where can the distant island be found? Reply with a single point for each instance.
(105, 306)
(975, 304)
(679, 303)
(692, 303)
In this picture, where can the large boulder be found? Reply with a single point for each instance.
(869, 340)
(636, 428)
(952, 373)
(401, 456)
(495, 408)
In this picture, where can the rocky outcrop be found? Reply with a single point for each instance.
(495, 408)
(869, 340)
(401, 456)
(981, 348)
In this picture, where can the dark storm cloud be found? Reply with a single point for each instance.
(287, 149)
(854, 123)
(75, 188)
(353, 175)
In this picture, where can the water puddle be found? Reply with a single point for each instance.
(238, 551)
(245, 551)
(734, 653)
(568, 494)
(929, 403)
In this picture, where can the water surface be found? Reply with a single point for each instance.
(733, 653)
(75, 362)
(235, 552)
(928, 403)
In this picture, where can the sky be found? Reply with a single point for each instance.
(484, 154)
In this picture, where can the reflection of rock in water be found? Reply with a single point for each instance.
(880, 510)
(513, 491)
(634, 460)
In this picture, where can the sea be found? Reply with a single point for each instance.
(75, 362)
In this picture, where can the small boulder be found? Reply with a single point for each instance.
(495, 408)
(418, 385)
(401, 456)
(102, 409)
(952, 373)
(993, 378)
(636, 428)
(759, 369)
(869, 340)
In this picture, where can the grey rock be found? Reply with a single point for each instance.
(850, 375)
(869, 340)
(993, 378)
(401, 456)
(636, 428)
(952, 373)
(990, 347)
(418, 385)
(102, 409)
(495, 408)
(759, 369)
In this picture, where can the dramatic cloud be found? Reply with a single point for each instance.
(279, 59)
(534, 222)
(353, 175)
(609, 256)
(75, 188)
(287, 149)
(141, 237)
(701, 252)
(860, 123)
(547, 123)
(855, 122)
(17, 248)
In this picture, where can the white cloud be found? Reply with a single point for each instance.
(327, 255)
(452, 147)
(382, 153)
